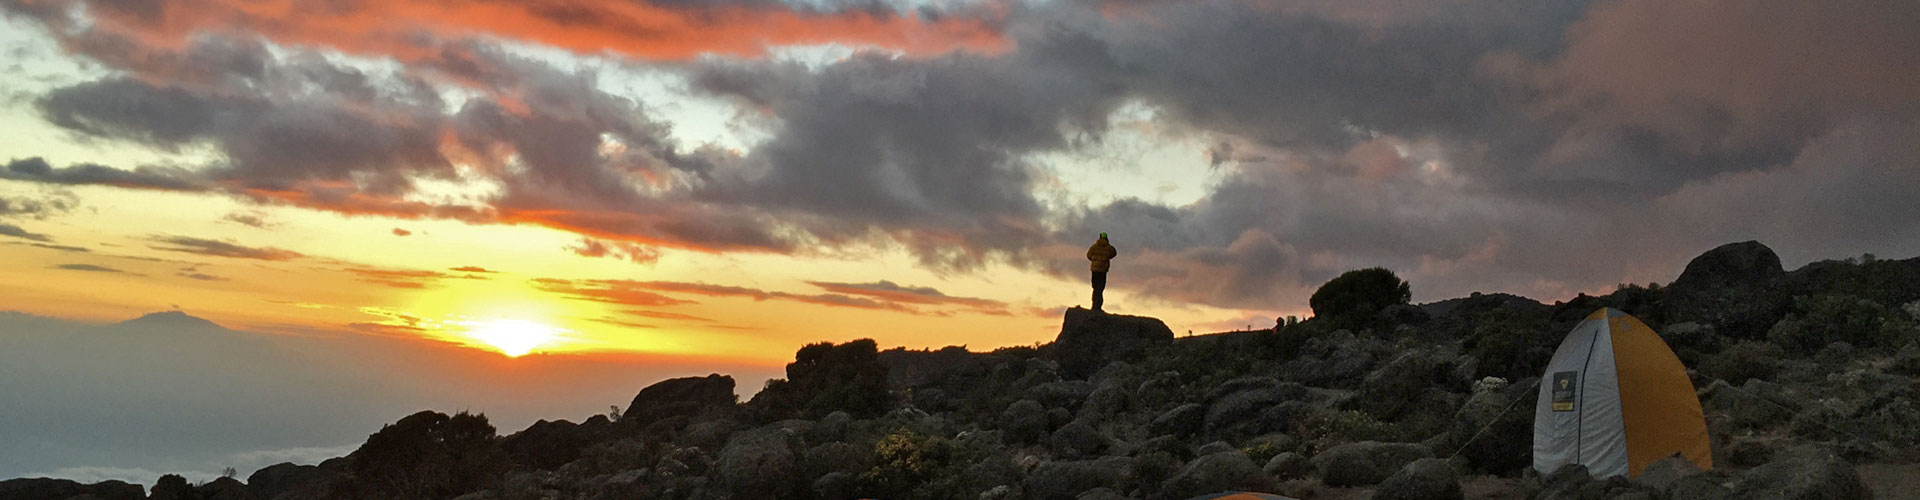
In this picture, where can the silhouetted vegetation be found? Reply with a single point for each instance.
(824, 377)
(426, 455)
(1356, 298)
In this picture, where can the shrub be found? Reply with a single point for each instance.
(1745, 360)
(426, 455)
(824, 378)
(1323, 428)
(1512, 344)
(1354, 300)
(1824, 319)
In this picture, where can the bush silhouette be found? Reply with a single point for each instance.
(426, 455)
(824, 378)
(1354, 300)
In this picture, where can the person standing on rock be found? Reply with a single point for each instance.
(1102, 254)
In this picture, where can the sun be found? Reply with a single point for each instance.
(512, 337)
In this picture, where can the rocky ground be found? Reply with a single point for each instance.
(1807, 378)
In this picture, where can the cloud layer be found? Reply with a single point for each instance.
(1468, 145)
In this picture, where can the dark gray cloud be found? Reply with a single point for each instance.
(38, 207)
(1469, 145)
(88, 267)
(217, 248)
(17, 232)
(36, 169)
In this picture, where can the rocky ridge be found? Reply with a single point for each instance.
(1804, 375)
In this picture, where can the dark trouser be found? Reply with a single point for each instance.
(1099, 286)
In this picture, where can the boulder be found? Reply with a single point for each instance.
(1065, 480)
(1288, 466)
(1397, 386)
(1245, 412)
(1501, 409)
(1061, 394)
(1089, 340)
(1662, 474)
(1162, 389)
(1907, 360)
(1802, 475)
(837, 457)
(1182, 421)
(1698, 487)
(547, 445)
(760, 463)
(222, 488)
(1108, 399)
(1426, 478)
(1216, 472)
(274, 480)
(1365, 463)
(1571, 482)
(684, 397)
(1737, 287)
(47, 488)
(1742, 407)
(1076, 439)
(1025, 421)
(1101, 494)
(836, 486)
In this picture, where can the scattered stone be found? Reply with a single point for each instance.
(1288, 466)
(1216, 472)
(1061, 394)
(1802, 475)
(1024, 421)
(1077, 439)
(1426, 478)
(1182, 421)
(1065, 480)
(759, 463)
(1101, 494)
(1662, 474)
(1365, 463)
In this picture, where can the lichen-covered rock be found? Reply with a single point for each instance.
(1365, 463)
(1661, 474)
(1025, 421)
(1216, 472)
(1426, 478)
(1061, 394)
(760, 464)
(1076, 439)
(1181, 421)
(1288, 466)
(1802, 475)
(1065, 480)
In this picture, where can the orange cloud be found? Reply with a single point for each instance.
(406, 30)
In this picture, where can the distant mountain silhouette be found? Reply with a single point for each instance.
(171, 319)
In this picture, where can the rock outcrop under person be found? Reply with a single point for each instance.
(1089, 340)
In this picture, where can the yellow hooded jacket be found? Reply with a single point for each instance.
(1102, 254)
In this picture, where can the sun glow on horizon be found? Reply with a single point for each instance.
(512, 337)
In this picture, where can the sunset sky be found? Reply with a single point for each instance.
(723, 181)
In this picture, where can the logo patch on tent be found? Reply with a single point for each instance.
(1564, 384)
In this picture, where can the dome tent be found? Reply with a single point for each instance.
(1615, 399)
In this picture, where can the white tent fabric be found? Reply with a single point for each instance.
(1586, 428)
(1615, 399)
